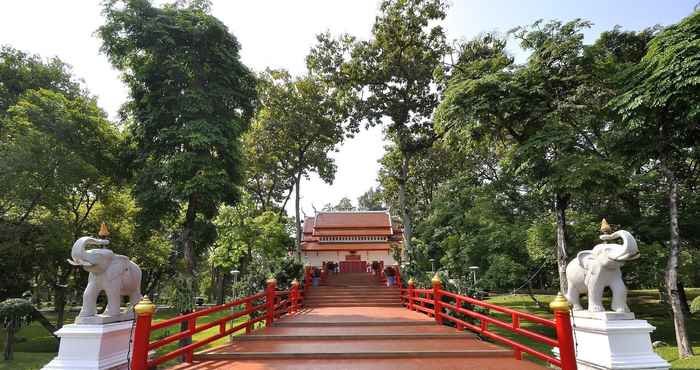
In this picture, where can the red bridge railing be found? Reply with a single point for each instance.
(442, 305)
(269, 305)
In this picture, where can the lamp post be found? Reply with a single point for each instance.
(235, 274)
(474, 270)
(432, 264)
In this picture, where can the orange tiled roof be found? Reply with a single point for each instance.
(353, 232)
(314, 246)
(336, 220)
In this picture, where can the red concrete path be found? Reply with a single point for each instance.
(362, 338)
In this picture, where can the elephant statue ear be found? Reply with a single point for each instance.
(585, 258)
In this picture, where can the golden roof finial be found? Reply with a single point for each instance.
(104, 232)
(605, 227)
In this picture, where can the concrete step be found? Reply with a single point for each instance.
(409, 363)
(352, 299)
(354, 304)
(352, 295)
(411, 328)
(377, 336)
(349, 348)
(463, 353)
(333, 323)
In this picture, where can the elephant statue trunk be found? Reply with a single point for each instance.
(628, 251)
(77, 253)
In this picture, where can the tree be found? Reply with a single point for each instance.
(20, 72)
(14, 314)
(344, 205)
(255, 243)
(269, 180)
(389, 78)
(191, 99)
(371, 200)
(659, 113)
(302, 122)
(548, 110)
(58, 162)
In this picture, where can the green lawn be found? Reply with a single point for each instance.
(37, 346)
(644, 303)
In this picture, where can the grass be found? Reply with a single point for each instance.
(36, 346)
(644, 303)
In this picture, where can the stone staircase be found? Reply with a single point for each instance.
(358, 338)
(352, 322)
(352, 290)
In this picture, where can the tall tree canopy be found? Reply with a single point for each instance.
(298, 125)
(390, 78)
(58, 166)
(190, 100)
(659, 129)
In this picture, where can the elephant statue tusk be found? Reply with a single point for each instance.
(79, 263)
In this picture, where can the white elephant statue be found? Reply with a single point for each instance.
(593, 270)
(113, 273)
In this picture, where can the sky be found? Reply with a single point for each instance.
(279, 34)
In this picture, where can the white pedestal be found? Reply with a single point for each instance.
(92, 347)
(609, 340)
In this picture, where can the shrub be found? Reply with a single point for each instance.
(695, 306)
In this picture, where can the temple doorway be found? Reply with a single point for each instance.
(353, 263)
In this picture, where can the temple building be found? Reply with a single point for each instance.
(352, 239)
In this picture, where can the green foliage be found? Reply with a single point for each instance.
(390, 79)
(191, 99)
(371, 200)
(16, 312)
(344, 205)
(695, 305)
(258, 244)
(183, 294)
(58, 163)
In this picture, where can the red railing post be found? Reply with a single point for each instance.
(437, 297)
(270, 301)
(191, 325)
(398, 277)
(142, 332)
(411, 286)
(565, 335)
(516, 325)
(294, 295)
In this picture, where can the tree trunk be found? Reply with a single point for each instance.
(297, 182)
(562, 202)
(10, 341)
(59, 305)
(674, 298)
(187, 244)
(684, 299)
(39, 317)
(221, 287)
(405, 216)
